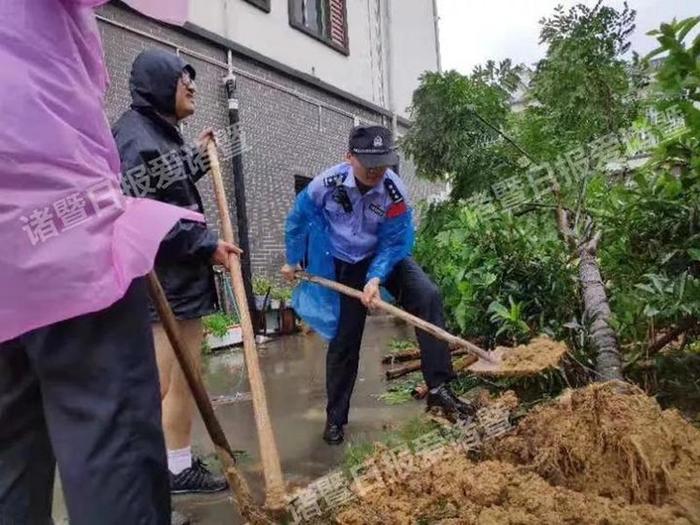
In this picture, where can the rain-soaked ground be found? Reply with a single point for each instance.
(294, 372)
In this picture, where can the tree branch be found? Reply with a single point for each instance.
(684, 326)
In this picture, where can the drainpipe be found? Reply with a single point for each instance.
(239, 192)
(389, 73)
(388, 55)
(436, 21)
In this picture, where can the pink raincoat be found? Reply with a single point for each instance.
(70, 243)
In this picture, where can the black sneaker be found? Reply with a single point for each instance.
(450, 404)
(333, 434)
(196, 479)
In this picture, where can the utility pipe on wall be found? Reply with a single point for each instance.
(239, 190)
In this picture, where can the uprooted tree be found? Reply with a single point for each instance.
(631, 246)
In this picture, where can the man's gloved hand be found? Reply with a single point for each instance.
(371, 292)
(289, 271)
(223, 252)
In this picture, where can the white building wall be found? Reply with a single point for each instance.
(413, 48)
(391, 43)
(271, 35)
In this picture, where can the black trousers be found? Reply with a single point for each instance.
(417, 294)
(84, 392)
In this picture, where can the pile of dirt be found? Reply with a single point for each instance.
(617, 444)
(460, 491)
(603, 454)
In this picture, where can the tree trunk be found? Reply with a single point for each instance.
(596, 309)
(597, 314)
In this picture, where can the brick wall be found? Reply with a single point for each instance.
(287, 128)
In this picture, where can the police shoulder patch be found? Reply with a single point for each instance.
(398, 203)
(393, 190)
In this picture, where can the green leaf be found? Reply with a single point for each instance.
(686, 26)
(650, 311)
(645, 288)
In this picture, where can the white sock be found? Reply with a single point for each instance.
(179, 460)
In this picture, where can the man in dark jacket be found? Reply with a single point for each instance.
(157, 163)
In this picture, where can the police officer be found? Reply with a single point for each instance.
(363, 205)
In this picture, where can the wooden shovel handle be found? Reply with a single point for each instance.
(272, 470)
(192, 374)
(401, 314)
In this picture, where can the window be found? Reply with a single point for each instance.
(262, 4)
(325, 20)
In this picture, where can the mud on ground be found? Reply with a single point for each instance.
(605, 454)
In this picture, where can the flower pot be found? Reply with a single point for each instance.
(288, 323)
(259, 302)
(234, 336)
(272, 321)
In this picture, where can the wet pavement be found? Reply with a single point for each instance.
(294, 371)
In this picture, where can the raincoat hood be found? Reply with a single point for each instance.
(154, 77)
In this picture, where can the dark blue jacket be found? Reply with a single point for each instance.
(156, 163)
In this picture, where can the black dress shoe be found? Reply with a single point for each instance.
(333, 434)
(444, 399)
(197, 479)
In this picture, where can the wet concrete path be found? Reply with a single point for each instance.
(294, 371)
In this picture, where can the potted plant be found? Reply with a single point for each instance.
(261, 291)
(286, 315)
(272, 314)
(222, 330)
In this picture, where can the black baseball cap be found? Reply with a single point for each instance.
(373, 146)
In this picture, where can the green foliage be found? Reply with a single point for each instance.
(282, 293)
(400, 391)
(509, 320)
(478, 261)
(356, 453)
(582, 86)
(651, 236)
(360, 450)
(449, 141)
(396, 395)
(401, 345)
(218, 324)
(581, 90)
(651, 224)
(261, 285)
(678, 85)
(507, 276)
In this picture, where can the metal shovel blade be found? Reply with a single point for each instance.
(492, 367)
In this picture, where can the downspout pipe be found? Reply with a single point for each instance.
(239, 191)
(436, 21)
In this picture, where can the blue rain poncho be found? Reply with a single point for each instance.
(308, 241)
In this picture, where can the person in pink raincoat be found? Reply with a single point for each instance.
(78, 379)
